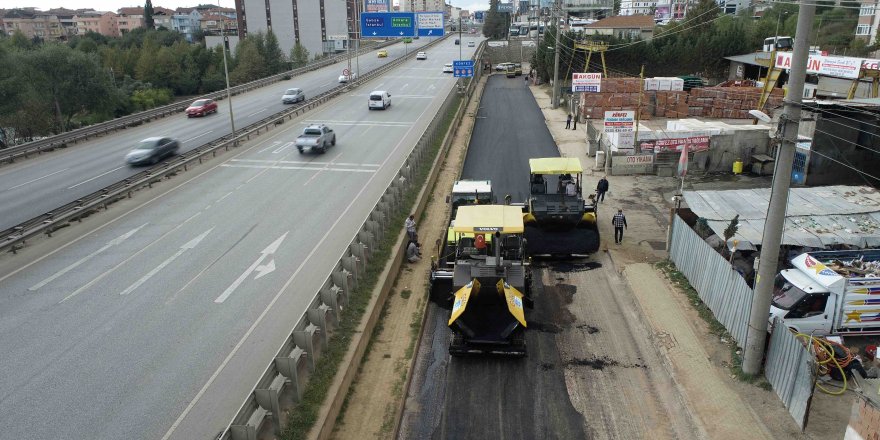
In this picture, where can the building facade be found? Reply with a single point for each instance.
(422, 5)
(129, 19)
(866, 29)
(187, 21)
(103, 23)
(309, 22)
(33, 24)
(591, 9)
(623, 26)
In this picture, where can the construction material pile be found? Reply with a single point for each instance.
(730, 102)
(857, 268)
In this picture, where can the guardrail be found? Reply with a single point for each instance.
(11, 154)
(16, 237)
(291, 367)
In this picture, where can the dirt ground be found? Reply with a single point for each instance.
(372, 405)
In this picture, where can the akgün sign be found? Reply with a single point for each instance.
(698, 143)
(586, 82)
(840, 67)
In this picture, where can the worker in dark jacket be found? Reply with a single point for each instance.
(601, 189)
(619, 222)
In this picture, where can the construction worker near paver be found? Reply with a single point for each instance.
(410, 225)
(601, 189)
(619, 222)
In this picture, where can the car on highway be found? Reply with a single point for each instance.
(473, 31)
(502, 67)
(379, 99)
(471, 44)
(422, 56)
(447, 68)
(457, 42)
(151, 150)
(382, 53)
(346, 78)
(407, 40)
(317, 138)
(201, 107)
(292, 96)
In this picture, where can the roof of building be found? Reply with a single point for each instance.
(749, 58)
(624, 22)
(816, 217)
(130, 11)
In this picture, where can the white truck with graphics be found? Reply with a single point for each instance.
(830, 293)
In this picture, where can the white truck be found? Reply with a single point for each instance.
(830, 293)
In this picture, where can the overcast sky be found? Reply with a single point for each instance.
(113, 5)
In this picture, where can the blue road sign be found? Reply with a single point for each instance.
(429, 24)
(462, 68)
(388, 24)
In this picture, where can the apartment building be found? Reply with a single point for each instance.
(129, 19)
(33, 24)
(422, 5)
(623, 26)
(187, 21)
(866, 29)
(102, 22)
(589, 9)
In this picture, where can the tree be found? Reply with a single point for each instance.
(493, 26)
(149, 23)
(249, 63)
(299, 55)
(273, 55)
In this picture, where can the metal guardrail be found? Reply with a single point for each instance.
(15, 237)
(11, 154)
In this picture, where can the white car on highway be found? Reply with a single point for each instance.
(422, 56)
(447, 68)
(346, 78)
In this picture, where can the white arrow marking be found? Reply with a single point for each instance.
(429, 32)
(274, 144)
(189, 245)
(266, 252)
(116, 241)
(374, 32)
(264, 269)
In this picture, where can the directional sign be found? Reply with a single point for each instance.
(430, 24)
(377, 6)
(388, 24)
(463, 68)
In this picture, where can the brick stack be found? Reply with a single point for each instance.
(672, 105)
(616, 94)
(729, 102)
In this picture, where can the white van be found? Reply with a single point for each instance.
(380, 99)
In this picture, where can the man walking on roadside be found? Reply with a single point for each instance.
(619, 222)
(575, 120)
(601, 189)
(568, 122)
(410, 225)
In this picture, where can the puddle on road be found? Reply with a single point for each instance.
(601, 363)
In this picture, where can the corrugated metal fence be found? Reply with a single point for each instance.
(791, 369)
(719, 286)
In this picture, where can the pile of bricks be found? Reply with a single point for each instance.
(710, 102)
(728, 102)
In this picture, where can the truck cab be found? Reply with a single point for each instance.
(801, 303)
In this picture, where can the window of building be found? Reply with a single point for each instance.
(866, 10)
(863, 29)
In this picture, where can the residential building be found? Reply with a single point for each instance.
(309, 22)
(65, 17)
(187, 21)
(869, 18)
(212, 24)
(592, 9)
(623, 26)
(32, 23)
(422, 5)
(129, 19)
(162, 17)
(638, 7)
(102, 22)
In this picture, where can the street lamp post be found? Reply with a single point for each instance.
(226, 71)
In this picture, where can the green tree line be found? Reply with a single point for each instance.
(698, 45)
(50, 87)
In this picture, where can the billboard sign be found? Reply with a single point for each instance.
(620, 121)
(462, 68)
(478, 15)
(505, 8)
(840, 67)
(429, 24)
(586, 82)
(388, 24)
(377, 6)
(695, 144)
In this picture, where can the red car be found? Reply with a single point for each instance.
(201, 107)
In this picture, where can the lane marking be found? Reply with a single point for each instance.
(326, 167)
(299, 162)
(283, 147)
(269, 306)
(256, 113)
(269, 250)
(109, 271)
(274, 144)
(225, 196)
(280, 167)
(196, 137)
(187, 246)
(34, 180)
(111, 243)
(93, 178)
(405, 86)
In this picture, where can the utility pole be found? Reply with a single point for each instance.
(754, 346)
(226, 71)
(636, 147)
(555, 101)
(460, 41)
(357, 33)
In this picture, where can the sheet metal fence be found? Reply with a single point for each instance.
(791, 369)
(718, 284)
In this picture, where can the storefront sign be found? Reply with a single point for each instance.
(695, 144)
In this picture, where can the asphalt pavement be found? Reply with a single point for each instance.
(43, 183)
(157, 323)
(492, 397)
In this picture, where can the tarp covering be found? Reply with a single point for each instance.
(555, 165)
(489, 218)
(816, 217)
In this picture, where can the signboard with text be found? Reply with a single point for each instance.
(620, 121)
(388, 24)
(840, 67)
(462, 68)
(586, 82)
(695, 144)
(429, 24)
(377, 6)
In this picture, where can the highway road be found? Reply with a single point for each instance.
(157, 323)
(41, 184)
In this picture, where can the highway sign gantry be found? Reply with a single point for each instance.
(430, 24)
(388, 24)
